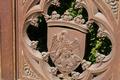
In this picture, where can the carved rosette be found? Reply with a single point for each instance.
(66, 45)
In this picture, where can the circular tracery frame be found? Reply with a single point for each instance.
(97, 20)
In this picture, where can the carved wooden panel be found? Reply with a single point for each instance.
(66, 36)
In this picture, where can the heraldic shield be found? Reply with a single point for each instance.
(66, 47)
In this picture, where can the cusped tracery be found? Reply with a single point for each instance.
(72, 40)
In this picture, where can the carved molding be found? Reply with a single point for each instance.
(62, 56)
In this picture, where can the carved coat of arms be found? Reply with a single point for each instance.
(64, 53)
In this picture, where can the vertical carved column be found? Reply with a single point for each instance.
(0, 55)
(0, 49)
(116, 62)
(6, 40)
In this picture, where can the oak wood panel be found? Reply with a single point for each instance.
(6, 31)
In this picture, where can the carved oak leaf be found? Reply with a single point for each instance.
(33, 21)
(53, 70)
(66, 16)
(78, 4)
(89, 23)
(55, 15)
(56, 3)
(34, 44)
(47, 17)
(75, 75)
(99, 57)
(45, 56)
(79, 20)
(85, 64)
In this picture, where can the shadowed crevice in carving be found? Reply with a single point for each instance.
(85, 14)
(50, 62)
(90, 41)
(79, 69)
(64, 5)
(107, 46)
(96, 44)
(33, 33)
(39, 34)
(42, 45)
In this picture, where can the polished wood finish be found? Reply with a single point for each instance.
(7, 40)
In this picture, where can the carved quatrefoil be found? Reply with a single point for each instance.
(59, 39)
